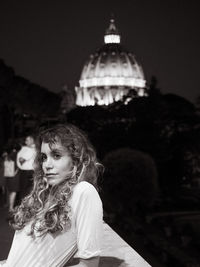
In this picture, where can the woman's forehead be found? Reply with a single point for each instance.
(47, 146)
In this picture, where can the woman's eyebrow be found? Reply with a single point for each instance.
(56, 150)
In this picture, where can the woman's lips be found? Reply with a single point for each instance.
(50, 174)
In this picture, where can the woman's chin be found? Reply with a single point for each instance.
(52, 182)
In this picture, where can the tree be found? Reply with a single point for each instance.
(129, 185)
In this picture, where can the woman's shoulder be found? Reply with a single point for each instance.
(85, 197)
(84, 191)
(84, 187)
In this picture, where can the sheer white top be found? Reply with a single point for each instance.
(84, 236)
(28, 154)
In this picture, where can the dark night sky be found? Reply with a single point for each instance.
(48, 42)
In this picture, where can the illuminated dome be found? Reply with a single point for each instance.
(110, 73)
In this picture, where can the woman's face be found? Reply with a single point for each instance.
(56, 162)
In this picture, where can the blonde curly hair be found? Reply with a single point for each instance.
(47, 207)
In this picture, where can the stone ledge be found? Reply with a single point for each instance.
(116, 252)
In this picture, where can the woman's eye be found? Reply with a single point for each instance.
(56, 156)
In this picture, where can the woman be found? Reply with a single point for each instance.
(63, 213)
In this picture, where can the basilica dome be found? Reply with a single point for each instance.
(110, 73)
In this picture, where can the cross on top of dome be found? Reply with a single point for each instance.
(112, 34)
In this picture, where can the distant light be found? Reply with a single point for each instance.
(112, 39)
(94, 96)
(112, 81)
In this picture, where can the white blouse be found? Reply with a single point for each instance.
(51, 250)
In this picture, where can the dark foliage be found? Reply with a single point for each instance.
(23, 104)
(129, 185)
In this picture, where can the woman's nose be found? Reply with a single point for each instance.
(48, 164)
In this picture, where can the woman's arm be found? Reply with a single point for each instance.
(92, 262)
(89, 225)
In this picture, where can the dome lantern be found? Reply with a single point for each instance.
(112, 34)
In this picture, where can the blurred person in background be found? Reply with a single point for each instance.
(25, 160)
(11, 177)
(2, 181)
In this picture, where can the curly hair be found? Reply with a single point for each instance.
(47, 207)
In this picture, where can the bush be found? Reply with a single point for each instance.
(129, 185)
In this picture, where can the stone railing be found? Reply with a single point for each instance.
(117, 253)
